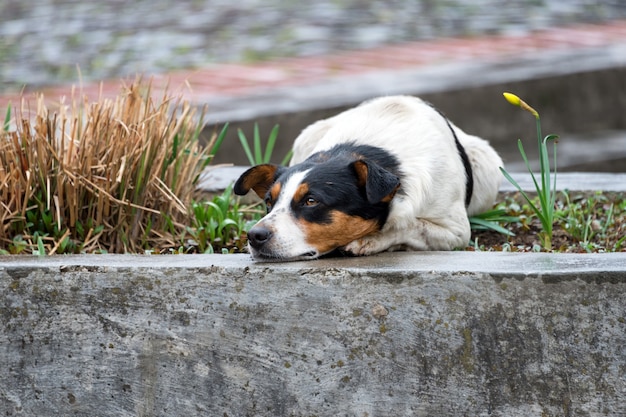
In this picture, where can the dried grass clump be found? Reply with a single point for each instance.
(110, 176)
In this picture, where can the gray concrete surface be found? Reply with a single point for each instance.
(216, 179)
(421, 334)
(346, 91)
(580, 99)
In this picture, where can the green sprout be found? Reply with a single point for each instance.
(7, 119)
(219, 224)
(546, 188)
(259, 156)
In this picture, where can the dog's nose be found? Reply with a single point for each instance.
(258, 236)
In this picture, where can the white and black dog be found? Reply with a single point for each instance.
(390, 174)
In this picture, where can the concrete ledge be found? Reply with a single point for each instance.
(418, 334)
(216, 179)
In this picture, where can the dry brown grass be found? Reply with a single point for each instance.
(112, 175)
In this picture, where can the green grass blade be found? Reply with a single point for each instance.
(609, 218)
(226, 223)
(7, 119)
(553, 138)
(488, 225)
(217, 211)
(41, 249)
(520, 146)
(522, 192)
(173, 155)
(497, 215)
(544, 168)
(258, 157)
(271, 141)
(245, 146)
(544, 163)
(141, 171)
(287, 158)
(218, 143)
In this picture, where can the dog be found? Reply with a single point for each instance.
(391, 174)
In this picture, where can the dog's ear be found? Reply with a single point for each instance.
(258, 178)
(380, 184)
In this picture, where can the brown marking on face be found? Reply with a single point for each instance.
(302, 190)
(341, 230)
(275, 191)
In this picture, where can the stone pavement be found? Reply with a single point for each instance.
(205, 85)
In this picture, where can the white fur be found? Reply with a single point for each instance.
(292, 242)
(430, 214)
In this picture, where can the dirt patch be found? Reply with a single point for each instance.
(584, 222)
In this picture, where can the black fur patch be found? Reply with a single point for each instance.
(334, 185)
(469, 174)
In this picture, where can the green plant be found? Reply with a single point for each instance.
(216, 143)
(588, 219)
(259, 156)
(546, 189)
(7, 119)
(491, 220)
(583, 222)
(218, 225)
(16, 247)
(112, 175)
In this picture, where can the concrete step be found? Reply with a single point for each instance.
(217, 178)
(422, 334)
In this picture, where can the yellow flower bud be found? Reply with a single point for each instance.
(512, 98)
(516, 101)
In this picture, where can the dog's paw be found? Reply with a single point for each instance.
(364, 246)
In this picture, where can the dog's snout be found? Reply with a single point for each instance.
(258, 236)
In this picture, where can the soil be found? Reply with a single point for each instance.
(603, 213)
(525, 240)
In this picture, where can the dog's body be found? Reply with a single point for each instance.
(392, 173)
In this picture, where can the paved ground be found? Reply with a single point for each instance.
(42, 41)
(238, 80)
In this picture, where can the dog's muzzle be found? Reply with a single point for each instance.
(265, 246)
(258, 236)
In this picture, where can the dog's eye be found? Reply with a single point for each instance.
(268, 204)
(310, 201)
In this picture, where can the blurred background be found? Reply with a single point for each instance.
(580, 91)
(43, 41)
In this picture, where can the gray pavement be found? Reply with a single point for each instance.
(43, 41)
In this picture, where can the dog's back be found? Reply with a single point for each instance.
(416, 133)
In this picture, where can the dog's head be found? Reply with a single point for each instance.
(317, 206)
